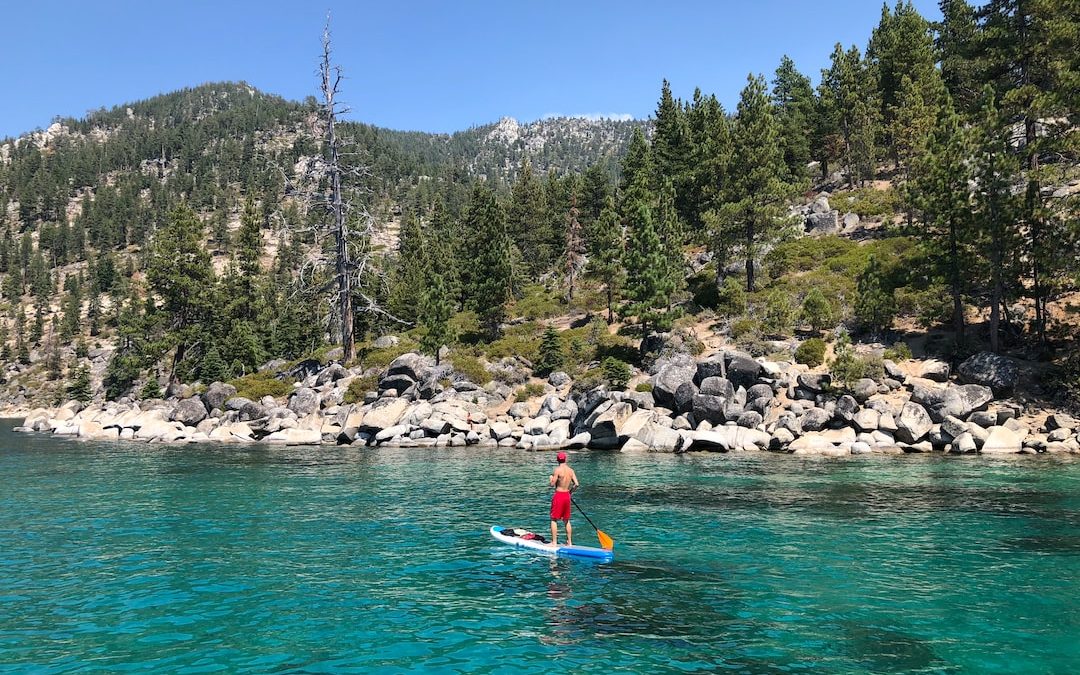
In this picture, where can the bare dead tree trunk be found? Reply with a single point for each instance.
(331, 80)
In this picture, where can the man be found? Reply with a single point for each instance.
(563, 479)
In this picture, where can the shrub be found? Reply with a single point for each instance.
(257, 385)
(643, 387)
(471, 367)
(616, 373)
(817, 310)
(731, 297)
(551, 356)
(151, 389)
(867, 202)
(359, 387)
(530, 390)
(875, 306)
(538, 302)
(778, 316)
(898, 352)
(742, 328)
(811, 352)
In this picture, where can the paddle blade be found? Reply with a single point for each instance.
(605, 541)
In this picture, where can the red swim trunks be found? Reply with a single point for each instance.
(560, 506)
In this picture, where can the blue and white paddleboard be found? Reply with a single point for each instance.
(598, 554)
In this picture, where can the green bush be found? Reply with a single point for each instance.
(778, 315)
(867, 202)
(817, 311)
(471, 367)
(731, 297)
(811, 352)
(537, 302)
(616, 373)
(929, 306)
(551, 356)
(643, 387)
(359, 387)
(898, 352)
(257, 385)
(151, 389)
(530, 390)
(742, 328)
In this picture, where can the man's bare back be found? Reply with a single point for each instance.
(562, 477)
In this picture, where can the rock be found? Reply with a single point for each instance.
(984, 418)
(657, 437)
(866, 420)
(851, 220)
(749, 419)
(92, 430)
(500, 430)
(399, 382)
(718, 386)
(390, 433)
(538, 426)
(936, 370)
(816, 444)
(189, 412)
(411, 365)
(1002, 440)
(331, 373)
(295, 437)
(709, 408)
(668, 380)
(963, 443)
(972, 397)
(742, 369)
(384, 415)
(823, 223)
(609, 424)
(1058, 435)
(216, 395)
(914, 423)
(864, 389)
(991, 370)
(814, 419)
(519, 411)
(559, 431)
(435, 427)
(633, 445)
(386, 342)
(954, 426)
(820, 204)
(580, 440)
(712, 441)
(684, 397)
(710, 367)
(1060, 421)
(817, 383)
(846, 407)
(559, 379)
(759, 391)
(304, 401)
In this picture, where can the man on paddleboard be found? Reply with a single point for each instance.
(563, 479)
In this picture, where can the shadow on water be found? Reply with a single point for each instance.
(882, 649)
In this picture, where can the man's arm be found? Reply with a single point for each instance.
(573, 476)
(551, 480)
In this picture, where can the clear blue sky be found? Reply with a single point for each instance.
(412, 64)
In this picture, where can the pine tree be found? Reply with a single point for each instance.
(875, 304)
(851, 111)
(79, 388)
(957, 33)
(574, 253)
(671, 150)
(529, 222)
(552, 357)
(179, 273)
(995, 208)
(940, 191)
(411, 270)
(754, 213)
(595, 191)
(212, 367)
(436, 310)
(648, 280)
(794, 100)
(817, 311)
(488, 277)
(672, 238)
(636, 167)
(604, 243)
(247, 254)
(710, 134)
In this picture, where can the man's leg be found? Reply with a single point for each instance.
(569, 533)
(554, 532)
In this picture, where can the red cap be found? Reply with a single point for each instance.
(561, 456)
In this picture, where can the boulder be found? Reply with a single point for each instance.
(386, 342)
(866, 420)
(984, 418)
(820, 204)
(1061, 421)
(749, 419)
(559, 432)
(864, 389)
(519, 411)
(846, 407)
(434, 427)
(758, 391)
(709, 408)
(684, 397)
(92, 430)
(384, 414)
(1002, 440)
(742, 369)
(816, 444)
(954, 426)
(609, 424)
(189, 412)
(710, 367)
(990, 370)
(331, 373)
(964, 443)
(390, 433)
(304, 401)
(667, 381)
(398, 382)
(718, 386)
(295, 437)
(814, 419)
(411, 365)
(935, 369)
(823, 223)
(914, 423)
(851, 220)
(216, 395)
(657, 437)
(817, 383)
(559, 379)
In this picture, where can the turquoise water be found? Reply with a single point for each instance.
(198, 558)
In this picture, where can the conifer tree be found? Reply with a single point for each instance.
(956, 43)
(488, 277)
(710, 133)
(636, 167)
(179, 273)
(79, 388)
(848, 94)
(817, 311)
(595, 190)
(212, 368)
(671, 149)
(794, 100)
(940, 191)
(754, 213)
(648, 280)
(875, 304)
(411, 270)
(574, 255)
(436, 310)
(672, 238)
(529, 222)
(551, 357)
(604, 243)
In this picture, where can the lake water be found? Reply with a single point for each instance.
(117, 557)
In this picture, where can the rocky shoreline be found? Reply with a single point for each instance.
(726, 402)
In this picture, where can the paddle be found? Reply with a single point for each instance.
(605, 541)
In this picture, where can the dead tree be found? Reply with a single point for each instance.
(332, 184)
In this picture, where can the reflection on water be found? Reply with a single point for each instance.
(128, 556)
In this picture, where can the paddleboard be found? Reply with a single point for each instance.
(588, 552)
